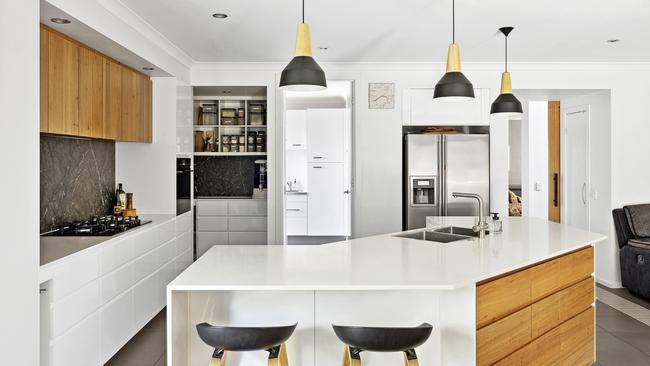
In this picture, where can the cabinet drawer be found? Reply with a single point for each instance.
(247, 208)
(296, 209)
(243, 223)
(561, 306)
(211, 207)
(296, 198)
(78, 347)
(503, 337)
(73, 308)
(577, 340)
(183, 243)
(205, 241)
(75, 274)
(241, 238)
(212, 223)
(116, 325)
(498, 298)
(183, 223)
(554, 275)
(544, 350)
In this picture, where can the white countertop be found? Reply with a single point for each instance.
(55, 249)
(384, 262)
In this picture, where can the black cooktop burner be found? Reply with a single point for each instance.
(97, 226)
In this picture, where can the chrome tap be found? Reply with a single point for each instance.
(482, 225)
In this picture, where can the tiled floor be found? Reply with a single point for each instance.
(620, 340)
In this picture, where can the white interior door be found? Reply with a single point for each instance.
(577, 166)
(326, 199)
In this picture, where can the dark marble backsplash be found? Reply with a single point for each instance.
(224, 175)
(77, 179)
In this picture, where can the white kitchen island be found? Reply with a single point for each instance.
(462, 288)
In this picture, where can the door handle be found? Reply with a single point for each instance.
(318, 167)
(293, 209)
(555, 189)
(584, 193)
(318, 157)
(347, 191)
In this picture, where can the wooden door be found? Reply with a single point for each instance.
(147, 119)
(554, 161)
(63, 85)
(44, 68)
(91, 93)
(131, 105)
(112, 100)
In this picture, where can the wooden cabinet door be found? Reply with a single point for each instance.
(147, 106)
(44, 68)
(63, 85)
(112, 100)
(91, 93)
(131, 104)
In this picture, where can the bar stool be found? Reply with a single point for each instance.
(374, 339)
(226, 339)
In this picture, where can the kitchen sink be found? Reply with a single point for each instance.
(457, 231)
(434, 236)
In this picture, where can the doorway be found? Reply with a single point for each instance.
(318, 164)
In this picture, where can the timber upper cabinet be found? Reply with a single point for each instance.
(84, 93)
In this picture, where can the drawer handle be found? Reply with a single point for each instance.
(318, 167)
(293, 209)
(318, 157)
(297, 144)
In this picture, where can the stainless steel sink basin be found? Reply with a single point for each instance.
(434, 236)
(457, 231)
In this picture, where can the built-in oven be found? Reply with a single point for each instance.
(183, 185)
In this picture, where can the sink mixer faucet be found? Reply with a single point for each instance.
(482, 225)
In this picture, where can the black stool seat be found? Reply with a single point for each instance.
(378, 339)
(244, 338)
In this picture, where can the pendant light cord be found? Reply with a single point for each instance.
(303, 11)
(453, 21)
(506, 53)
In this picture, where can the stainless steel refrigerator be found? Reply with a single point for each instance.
(436, 164)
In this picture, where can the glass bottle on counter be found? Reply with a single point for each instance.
(120, 197)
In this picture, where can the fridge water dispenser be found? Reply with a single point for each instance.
(423, 191)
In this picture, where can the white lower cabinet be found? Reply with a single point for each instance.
(116, 325)
(103, 297)
(205, 241)
(247, 238)
(79, 346)
(296, 214)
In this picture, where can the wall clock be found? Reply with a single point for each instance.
(381, 95)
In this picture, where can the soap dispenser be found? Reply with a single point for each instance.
(497, 225)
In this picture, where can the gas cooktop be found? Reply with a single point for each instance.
(97, 226)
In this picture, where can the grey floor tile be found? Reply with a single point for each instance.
(146, 348)
(624, 293)
(611, 351)
(162, 361)
(627, 329)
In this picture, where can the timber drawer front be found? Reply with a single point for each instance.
(538, 315)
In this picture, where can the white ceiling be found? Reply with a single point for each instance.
(407, 30)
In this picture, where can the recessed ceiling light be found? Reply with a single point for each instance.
(220, 15)
(613, 40)
(60, 21)
(147, 68)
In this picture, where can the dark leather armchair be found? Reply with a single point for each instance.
(632, 224)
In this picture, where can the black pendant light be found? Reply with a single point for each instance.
(303, 73)
(506, 102)
(453, 85)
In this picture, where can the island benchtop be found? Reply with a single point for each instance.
(385, 262)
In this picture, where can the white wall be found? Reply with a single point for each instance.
(535, 160)
(600, 181)
(149, 170)
(19, 157)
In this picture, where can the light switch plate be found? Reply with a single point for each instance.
(538, 186)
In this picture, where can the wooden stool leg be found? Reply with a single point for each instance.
(218, 358)
(410, 358)
(351, 357)
(284, 359)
